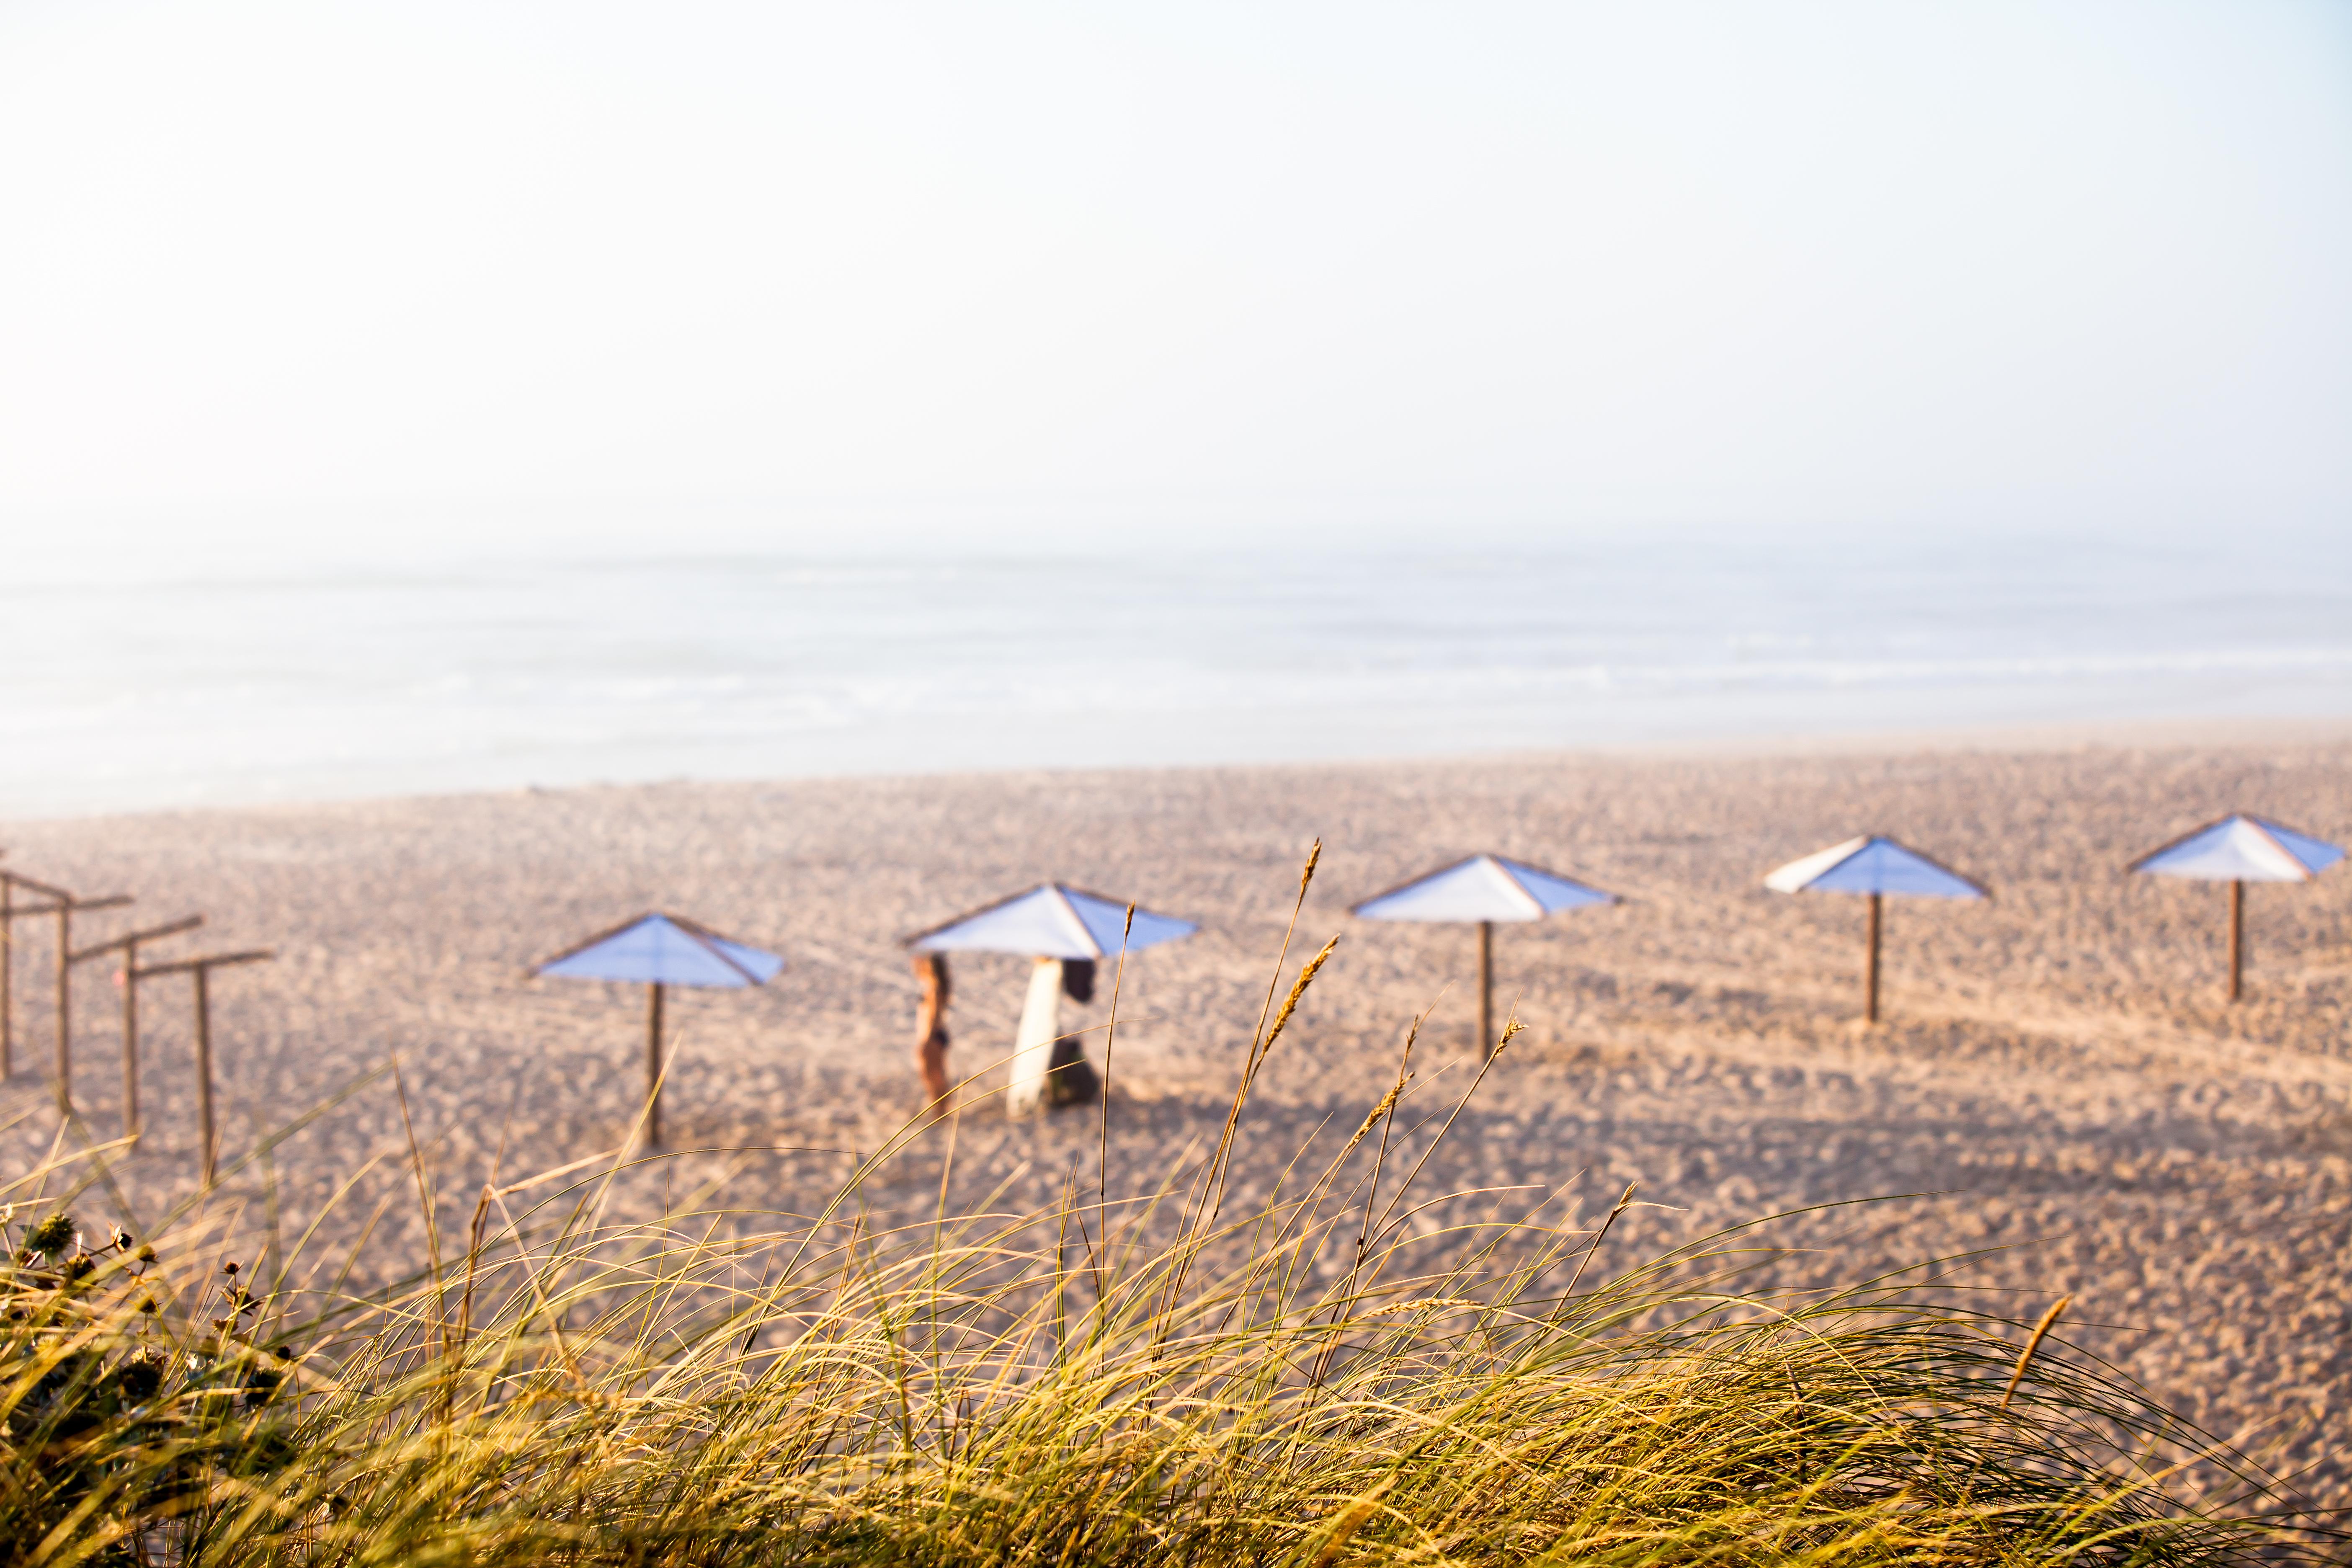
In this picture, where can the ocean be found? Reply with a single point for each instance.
(130, 684)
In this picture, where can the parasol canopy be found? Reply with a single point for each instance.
(1876, 865)
(659, 950)
(663, 950)
(1052, 919)
(2241, 850)
(1484, 888)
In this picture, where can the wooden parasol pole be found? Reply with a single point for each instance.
(2237, 939)
(1486, 990)
(654, 1066)
(1870, 973)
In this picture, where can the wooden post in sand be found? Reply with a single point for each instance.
(200, 971)
(2237, 940)
(65, 988)
(128, 945)
(11, 912)
(1486, 990)
(8, 976)
(63, 905)
(65, 1006)
(653, 1066)
(1870, 975)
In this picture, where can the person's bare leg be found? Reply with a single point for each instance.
(932, 1060)
(931, 1029)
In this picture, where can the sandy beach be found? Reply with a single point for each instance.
(2058, 1085)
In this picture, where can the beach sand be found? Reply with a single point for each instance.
(2057, 1076)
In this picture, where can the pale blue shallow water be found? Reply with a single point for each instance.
(227, 683)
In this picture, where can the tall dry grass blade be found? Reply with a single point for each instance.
(1512, 1027)
(1624, 1202)
(1212, 1174)
(1110, 1040)
(2032, 1344)
(424, 1199)
(1307, 974)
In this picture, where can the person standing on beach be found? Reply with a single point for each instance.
(931, 1028)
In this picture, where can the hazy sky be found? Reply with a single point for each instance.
(800, 272)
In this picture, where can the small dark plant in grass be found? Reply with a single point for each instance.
(117, 1416)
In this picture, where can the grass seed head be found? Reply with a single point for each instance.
(1297, 989)
(53, 1237)
(1373, 1118)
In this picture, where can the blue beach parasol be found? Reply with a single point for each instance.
(1053, 923)
(659, 950)
(1484, 888)
(2238, 850)
(1052, 919)
(1876, 866)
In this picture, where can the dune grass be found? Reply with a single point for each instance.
(1114, 1378)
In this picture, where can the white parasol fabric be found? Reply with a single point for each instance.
(1483, 888)
(1873, 864)
(2241, 848)
(665, 950)
(1052, 919)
